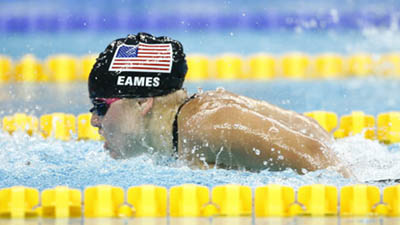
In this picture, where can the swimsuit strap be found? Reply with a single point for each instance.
(175, 135)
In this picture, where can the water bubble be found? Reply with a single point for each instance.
(194, 149)
(256, 151)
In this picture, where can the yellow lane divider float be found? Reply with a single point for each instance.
(18, 202)
(29, 70)
(61, 202)
(356, 123)
(388, 125)
(274, 200)
(327, 120)
(360, 200)
(329, 66)
(361, 64)
(190, 200)
(233, 200)
(5, 69)
(103, 201)
(20, 122)
(151, 201)
(318, 200)
(388, 64)
(56, 125)
(62, 68)
(229, 67)
(199, 68)
(296, 65)
(385, 128)
(87, 63)
(263, 66)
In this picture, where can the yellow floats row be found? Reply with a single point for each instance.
(189, 200)
(67, 68)
(385, 128)
(292, 66)
(58, 68)
(56, 125)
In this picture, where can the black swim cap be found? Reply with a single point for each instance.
(138, 66)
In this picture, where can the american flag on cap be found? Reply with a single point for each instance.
(143, 58)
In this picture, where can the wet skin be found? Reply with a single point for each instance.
(118, 127)
(222, 129)
(238, 132)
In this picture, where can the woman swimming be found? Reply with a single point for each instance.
(140, 107)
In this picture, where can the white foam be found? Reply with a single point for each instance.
(368, 159)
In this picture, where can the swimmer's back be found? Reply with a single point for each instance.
(215, 100)
(222, 128)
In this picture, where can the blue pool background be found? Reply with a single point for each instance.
(45, 28)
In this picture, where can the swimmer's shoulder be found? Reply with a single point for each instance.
(206, 109)
(198, 118)
(204, 101)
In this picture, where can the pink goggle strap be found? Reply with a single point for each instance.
(108, 101)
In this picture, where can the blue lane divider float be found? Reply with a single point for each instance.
(155, 20)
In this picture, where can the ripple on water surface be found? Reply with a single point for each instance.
(39, 163)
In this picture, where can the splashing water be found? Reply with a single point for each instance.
(39, 163)
(45, 163)
(369, 159)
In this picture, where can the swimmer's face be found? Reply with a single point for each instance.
(121, 126)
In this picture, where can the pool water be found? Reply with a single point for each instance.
(244, 42)
(77, 27)
(45, 163)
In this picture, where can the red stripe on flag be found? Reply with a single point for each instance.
(154, 45)
(153, 53)
(148, 56)
(141, 60)
(140, 68)
(144, 64)
(155, 49)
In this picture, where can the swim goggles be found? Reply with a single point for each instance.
(101, 105)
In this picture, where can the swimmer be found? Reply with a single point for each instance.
(140, 107)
